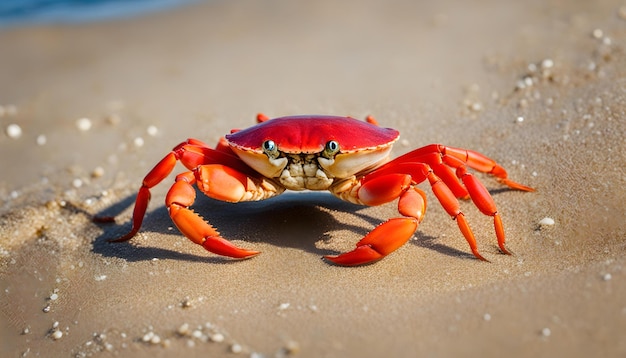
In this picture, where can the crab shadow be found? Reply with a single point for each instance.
(295, 220)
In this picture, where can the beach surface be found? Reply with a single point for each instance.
(88, 109)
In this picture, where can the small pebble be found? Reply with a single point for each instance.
(183, 330)
(528, 81)
(597, 33)
(546, 332)
(138, 142)
(46, 309)
(283, 306)
(152, 131)
(607, 277)
(217, 337)
(14, 131)
(546, 221)
(236, 348)
(56, 335)
(476, 107)
(155, 339)
(77, 183)
(292, 347)
(520, 119)
(54, 297)
(547, 63)
(186, 303)
(83, 124)
(487, 317)
(148, 337)
(41, 140)
(97, 172)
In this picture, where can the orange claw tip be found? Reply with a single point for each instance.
(360, 256)
(249, 254)
(221, 246)
(242, 255)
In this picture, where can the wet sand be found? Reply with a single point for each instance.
(539, 86)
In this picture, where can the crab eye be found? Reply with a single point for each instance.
(332, 148)
(270, 149)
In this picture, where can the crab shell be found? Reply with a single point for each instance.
(362, 146)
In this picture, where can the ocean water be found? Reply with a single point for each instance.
(29, 12)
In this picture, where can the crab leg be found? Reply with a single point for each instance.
(477, 192)
(191, 153)
(473, 159)
(154, 177)
(452, 207)
(482, 199)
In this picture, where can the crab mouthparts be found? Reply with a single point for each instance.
(304, 171)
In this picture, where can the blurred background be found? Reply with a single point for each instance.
(33, 12)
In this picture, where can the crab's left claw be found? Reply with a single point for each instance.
(202, 233)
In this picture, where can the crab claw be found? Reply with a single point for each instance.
(378, 243)
(200, 232)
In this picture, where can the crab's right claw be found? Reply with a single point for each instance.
(380, 242)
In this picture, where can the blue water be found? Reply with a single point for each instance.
(29, 12)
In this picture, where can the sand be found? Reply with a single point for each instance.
(539, 86)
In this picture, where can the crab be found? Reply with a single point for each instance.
(348, 157)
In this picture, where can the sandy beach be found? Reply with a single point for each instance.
(86, 110)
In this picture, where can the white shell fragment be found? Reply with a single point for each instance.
(14, 131)
(41, 139)
(83, 124)
(152, 130)
(236, 348)
(217, 337)
(546, 221)
(56, 335)
(138, 142)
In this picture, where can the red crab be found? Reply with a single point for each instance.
(347, 157)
